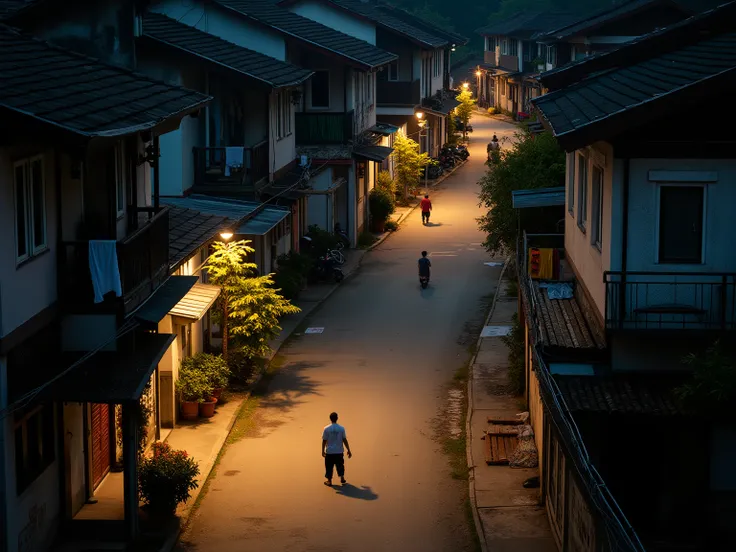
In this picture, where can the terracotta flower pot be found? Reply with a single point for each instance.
(207, 408)
(217, 393)
(189, 410)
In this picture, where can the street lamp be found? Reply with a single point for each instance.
(226, 235)
(419, 115)
(465, 86)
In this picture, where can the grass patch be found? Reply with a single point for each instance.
(366, 239)
(468, 510)
(244, 422)
(455, 450)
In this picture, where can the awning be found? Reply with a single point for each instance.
(264, 222)
(372, 153)
(383, 128)
(195, 303)
(164, 299)
(541, 197)
(112, 377)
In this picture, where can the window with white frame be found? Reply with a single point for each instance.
(551, 55)
(681, 224)
(596, 227)
(393, 71)
(513, 47)
(120, 172)
(582, 178)
(30, 207)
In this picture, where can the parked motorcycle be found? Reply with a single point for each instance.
(434, 169)
(462, 150)
(326, 268)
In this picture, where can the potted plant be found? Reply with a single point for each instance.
(381, 205)
(214, 367)
(166, 479)
(194, 388)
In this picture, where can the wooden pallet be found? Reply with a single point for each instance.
(500, 429)
(504, 421)
(499, 448)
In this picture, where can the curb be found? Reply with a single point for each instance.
(468, 422)
(411, 210)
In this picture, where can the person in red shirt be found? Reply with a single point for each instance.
(426, 206)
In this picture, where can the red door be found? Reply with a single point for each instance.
(100, 443)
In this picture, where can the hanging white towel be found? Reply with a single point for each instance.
(233, 158)
(103, 267)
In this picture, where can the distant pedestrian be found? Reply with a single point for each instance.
(333, 439)
(426, 206)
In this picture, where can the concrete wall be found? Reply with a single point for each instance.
(227, 24)
(282, 151)
(74, 446)
(29, 287)
(336, 19)
(589, 262)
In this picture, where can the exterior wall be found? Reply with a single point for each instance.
(720, 197)
(27, 288)
(589, 262)
(439, 78)
(74, 414)
(336, 19)
(226, 24)
(339, 103)
(364, 105)
(282, 151)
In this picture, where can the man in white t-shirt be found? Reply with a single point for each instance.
(333, 439)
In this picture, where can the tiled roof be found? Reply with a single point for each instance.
(450, 36)
(8, 8)
(526, 24)
(604, 96)
(189, 230)
(625, 394)
(385, 18)
(609, 14)
(81, 94)
(306, 30)
(272, 71)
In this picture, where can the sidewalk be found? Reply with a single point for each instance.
(508, 517)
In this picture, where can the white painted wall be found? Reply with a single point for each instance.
(226, 24)
(336, 19)
(28, 288)
(282, 151)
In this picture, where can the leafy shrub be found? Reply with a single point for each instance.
(293, 269)
(322, 240)
(241, 364)
(193, 384)
(214, 367)
(711, 391)
(381, 203)
(391, 226)
(167, 478)
(386, 182)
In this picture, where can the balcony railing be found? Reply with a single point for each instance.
(324, 128)
(143, 262)
(489, 57)
(213, 168)
(398, 93)
(670, 301)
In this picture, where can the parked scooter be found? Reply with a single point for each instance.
(326, 268)
(462, 150)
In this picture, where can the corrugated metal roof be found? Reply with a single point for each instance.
(542, 197)
(195, 304)
(264, 222)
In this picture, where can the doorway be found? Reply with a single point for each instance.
(101, 443)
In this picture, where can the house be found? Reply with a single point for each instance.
(332, 119)
(417, 81)
(512, 56)
(79, 348)
(644, 277)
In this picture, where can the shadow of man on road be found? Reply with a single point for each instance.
(351, 491)
(433, 224)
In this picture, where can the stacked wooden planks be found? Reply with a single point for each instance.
(501, 440)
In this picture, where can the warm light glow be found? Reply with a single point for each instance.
(419, 115)
(465, 85)
(453, 48)
(478, 73)
(226, 235)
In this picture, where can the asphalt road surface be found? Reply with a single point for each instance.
(384, 362)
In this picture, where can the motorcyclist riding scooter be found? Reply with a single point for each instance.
(424, 264)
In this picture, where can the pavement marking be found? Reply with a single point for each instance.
(443, 255)
(493, 264)
(495, 331)
(314, 330)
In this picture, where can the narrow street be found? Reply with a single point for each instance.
(385, 362)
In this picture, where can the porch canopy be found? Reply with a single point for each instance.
(195, 304)
(164, 299)
(111, 377)
(385, 129)
(372, 153)
(264, 221)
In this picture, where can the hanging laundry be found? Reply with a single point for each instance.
(103, 268)
(541, 265)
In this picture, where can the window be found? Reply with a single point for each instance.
(681, 224)
(30, 207)
(393, 71)
(368, 88)
(571, 184)
(596, 230)
(582, 191)
(283, 115)
(504, 46)
(119, 179)
(321, 89)
(34, 445)
(551, 55)
(513, 47)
